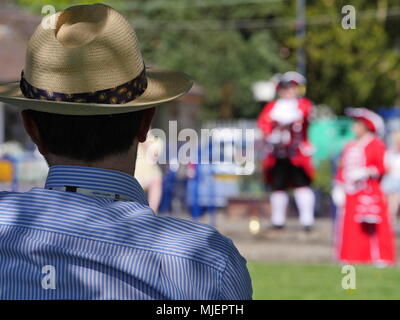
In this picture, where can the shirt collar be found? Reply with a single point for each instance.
(96, 179)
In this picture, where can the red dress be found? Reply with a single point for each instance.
(297, 147)
(357, 239)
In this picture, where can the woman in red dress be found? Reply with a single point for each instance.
(364, 233)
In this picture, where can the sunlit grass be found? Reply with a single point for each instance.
(299, 281)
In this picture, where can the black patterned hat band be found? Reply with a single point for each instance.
(121, 94)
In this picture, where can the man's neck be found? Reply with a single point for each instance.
(124, 162)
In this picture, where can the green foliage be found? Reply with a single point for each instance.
(216, 59)
(351, 67)
(224, 61)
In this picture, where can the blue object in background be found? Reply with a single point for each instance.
(201, 191)
(167, 196)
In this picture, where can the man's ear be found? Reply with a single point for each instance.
(147, 117)
(33, 131)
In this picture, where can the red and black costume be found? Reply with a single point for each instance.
(288, 164)
(288, 161)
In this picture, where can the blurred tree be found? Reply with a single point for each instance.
(225, 64)
(358, 67)
(206, 40)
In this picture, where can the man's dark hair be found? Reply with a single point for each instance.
(87, 138)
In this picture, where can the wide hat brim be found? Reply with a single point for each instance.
(163, 86)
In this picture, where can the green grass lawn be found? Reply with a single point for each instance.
(295, 281)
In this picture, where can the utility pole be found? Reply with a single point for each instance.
(300, 34)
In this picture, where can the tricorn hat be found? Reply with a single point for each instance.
(291, 79)
(372, 121)
(89, 63)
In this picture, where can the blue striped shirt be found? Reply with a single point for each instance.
(65, 245)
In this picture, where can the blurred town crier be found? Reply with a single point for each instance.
(288, 162)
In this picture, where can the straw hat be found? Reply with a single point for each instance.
(90, 63)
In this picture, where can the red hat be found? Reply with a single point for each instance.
(371, 120)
